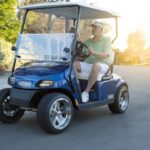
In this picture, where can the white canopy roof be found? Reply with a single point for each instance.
(70, 10)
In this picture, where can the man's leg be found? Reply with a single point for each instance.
(93, 76)
(91, 80)
(94, 72)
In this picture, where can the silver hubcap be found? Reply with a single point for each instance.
(60, 113)
(123, 99)
(7, 108)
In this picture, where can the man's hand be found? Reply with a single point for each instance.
(91, 51)
(100, 55)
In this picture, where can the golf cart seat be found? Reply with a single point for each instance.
(85, 76)
(106, 76)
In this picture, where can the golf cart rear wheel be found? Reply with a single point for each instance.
(121, 101)
(54, 113)
(8, 113)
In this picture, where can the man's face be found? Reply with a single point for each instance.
(96, 30)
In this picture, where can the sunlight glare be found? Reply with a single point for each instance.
(135, 15)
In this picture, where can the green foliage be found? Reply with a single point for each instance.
(9, 24)
(1, 56)
(136, 41)
(136, 52)
(7, 54)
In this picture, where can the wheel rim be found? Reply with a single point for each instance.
(9, 110)
(123, 99)
(60, 113)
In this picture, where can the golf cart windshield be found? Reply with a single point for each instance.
(45, 36)
(45, 47)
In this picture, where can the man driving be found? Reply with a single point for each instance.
(101, 57)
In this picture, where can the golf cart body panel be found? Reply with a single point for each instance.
(26, 80)
(26, 97)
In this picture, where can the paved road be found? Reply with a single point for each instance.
(95, 129)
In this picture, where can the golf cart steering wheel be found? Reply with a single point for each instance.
(79, 50)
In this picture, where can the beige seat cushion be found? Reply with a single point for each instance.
(85, 76)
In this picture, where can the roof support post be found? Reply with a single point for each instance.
(116, 35)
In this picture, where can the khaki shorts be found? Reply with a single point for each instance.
(86, 67)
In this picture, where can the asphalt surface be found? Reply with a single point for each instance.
(94, 129)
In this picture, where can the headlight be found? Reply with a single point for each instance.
(45, 83)
(25, 84)
(12, 80)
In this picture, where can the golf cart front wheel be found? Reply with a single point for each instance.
(8, 113)
(121, 100)
(54, 113)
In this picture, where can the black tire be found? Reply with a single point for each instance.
(48, 110)
(8, 113)
(121, 101)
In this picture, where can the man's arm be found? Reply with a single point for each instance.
(100, 55)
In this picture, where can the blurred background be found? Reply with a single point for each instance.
(132, 46)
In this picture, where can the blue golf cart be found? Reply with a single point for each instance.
(43, 78)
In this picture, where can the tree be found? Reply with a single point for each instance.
(1, 56)
(136, 41)
(6, 55)
(9, 25)
(136, 44)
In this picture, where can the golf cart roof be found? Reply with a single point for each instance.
(70, 10)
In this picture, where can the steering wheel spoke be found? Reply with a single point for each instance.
(80, 49)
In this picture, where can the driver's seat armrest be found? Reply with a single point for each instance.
(107, 77)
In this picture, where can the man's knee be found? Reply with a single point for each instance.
(77, 66)
(96, 67)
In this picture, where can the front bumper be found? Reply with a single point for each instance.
(20, 97)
